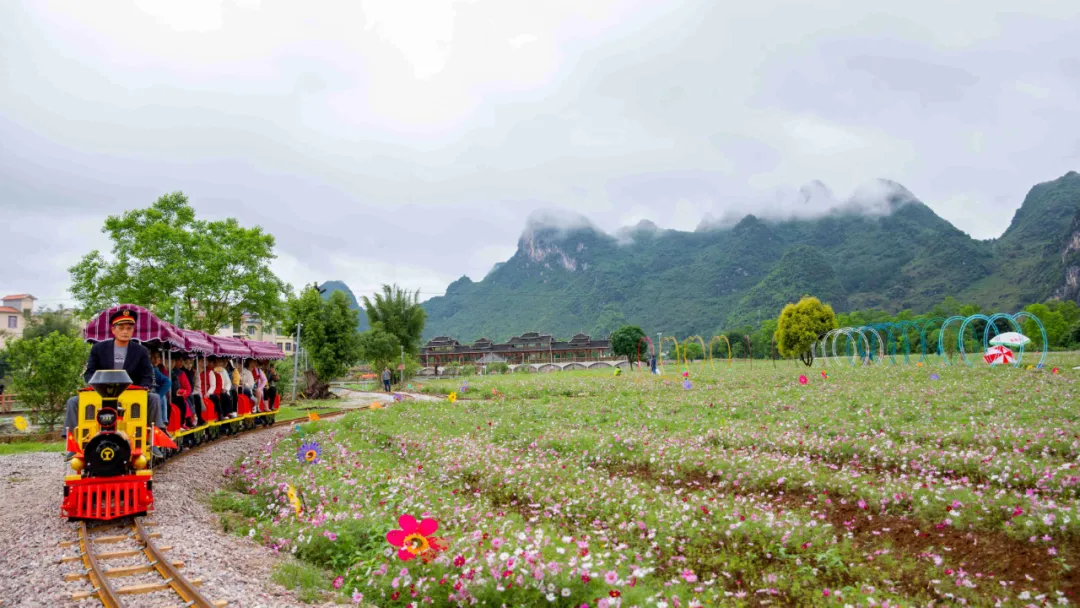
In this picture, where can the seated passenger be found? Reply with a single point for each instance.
(191, 364)
(247, 383)
(260, 386)
(271, 383)
(180, 394)
(225, 391)
(120, 353)
(162, 385)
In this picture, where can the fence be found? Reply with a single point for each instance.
(7, 402)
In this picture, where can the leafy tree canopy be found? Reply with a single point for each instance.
(45, 323)
(163, 255)
(46, 371)
(328, 334)
(398, 312)
(800, 325)
(380, 348)
(625, 340)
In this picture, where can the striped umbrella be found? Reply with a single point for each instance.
(999, 355)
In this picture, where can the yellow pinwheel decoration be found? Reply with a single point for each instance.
(452, 397)
(20, 423)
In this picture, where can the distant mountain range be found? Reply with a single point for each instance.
(331, 286)
(883, 248)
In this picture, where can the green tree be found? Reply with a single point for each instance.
(163, 255)
(800, 325)
(399, 313)
(46, 322)
(328, 336)
(379, 348)
(624, 342)
(46, 371)
(1057, 330)
(692, 351)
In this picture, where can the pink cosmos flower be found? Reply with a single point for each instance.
(802, 379)
(412, 539)
(689, 576)
(338, 582)
(611, 577)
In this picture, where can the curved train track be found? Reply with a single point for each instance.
(132, 532)
(138, 542)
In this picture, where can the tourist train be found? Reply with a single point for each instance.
(114, 446)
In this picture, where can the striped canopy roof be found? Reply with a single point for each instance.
(148, 328)
(197, 342)
(263, 350)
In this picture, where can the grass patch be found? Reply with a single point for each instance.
(292, 412)
(309, 582)
(30, 446)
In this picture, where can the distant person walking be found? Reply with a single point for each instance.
(386, 379)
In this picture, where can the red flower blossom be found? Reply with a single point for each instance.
(585, 578)
(802, 379)
(614, 593)
(413, 538)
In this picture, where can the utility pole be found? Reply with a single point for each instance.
(176, 314)
(656, 349)
(296, 358)
(402, 376)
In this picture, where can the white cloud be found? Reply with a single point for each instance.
(403, 140)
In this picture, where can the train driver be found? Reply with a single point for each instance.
(120, 353)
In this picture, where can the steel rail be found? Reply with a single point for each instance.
(187, 592)
(101, 584)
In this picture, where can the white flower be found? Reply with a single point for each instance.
(550, 597)
(565, 592)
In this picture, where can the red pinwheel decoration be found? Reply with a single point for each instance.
(803, 379)
(415, 539)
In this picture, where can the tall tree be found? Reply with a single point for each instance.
(46, 322)
(625, 343)
(328, 335)
(800, 325)
(398, 312)
(380, 348)
(163, 256)
(46, 371)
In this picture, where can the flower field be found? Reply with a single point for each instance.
(876, 486)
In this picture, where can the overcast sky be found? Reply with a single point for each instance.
(407, 141)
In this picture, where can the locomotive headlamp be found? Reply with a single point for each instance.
(107, 418)
(77, 464)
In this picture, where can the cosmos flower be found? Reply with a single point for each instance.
(309, 452)
(412, 539)
(686, 384)
(338, 582)
(802, 379)
(935, 377)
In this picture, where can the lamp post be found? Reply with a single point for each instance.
(296, 358)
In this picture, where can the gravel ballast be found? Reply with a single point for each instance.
(232, 568)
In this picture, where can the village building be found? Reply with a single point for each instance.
(252, 327)
(531, 347)
(15, 314)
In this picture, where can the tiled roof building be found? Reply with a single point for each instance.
(530, 347)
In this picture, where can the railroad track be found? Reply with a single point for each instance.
(133, 541)
(132, 532)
